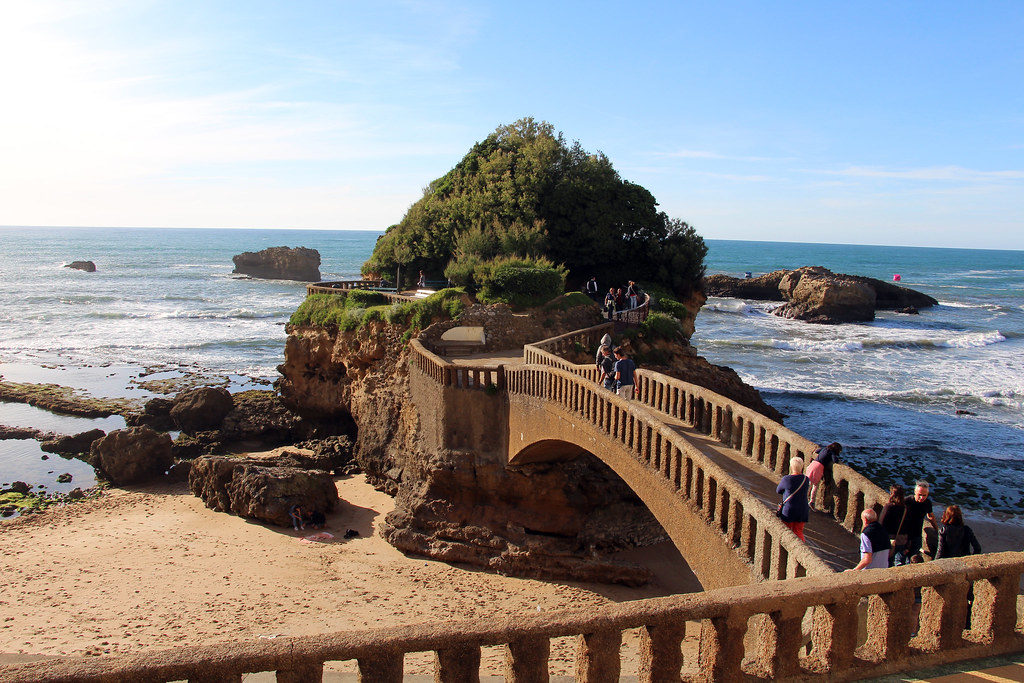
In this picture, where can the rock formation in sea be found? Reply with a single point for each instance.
(467, 505)
(280, 263)
(87, 266)
(816, 294)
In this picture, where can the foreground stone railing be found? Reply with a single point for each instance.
(761, 631)
(745, 523)
(767, 444)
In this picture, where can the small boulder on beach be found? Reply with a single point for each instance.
(128, 456)
(87, 266)
(72, 445)
(280, 263)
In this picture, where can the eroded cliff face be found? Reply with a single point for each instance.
(466, 505)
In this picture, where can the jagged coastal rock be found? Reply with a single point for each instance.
(87, 266)
(200, 409)
(133, 455)
(72, 445)
(816, 294)
(280, 263)
(264, 488)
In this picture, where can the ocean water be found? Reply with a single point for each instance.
(890, 390)
(164, 302)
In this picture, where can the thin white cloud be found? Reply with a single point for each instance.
(707, 154)
(932, 173)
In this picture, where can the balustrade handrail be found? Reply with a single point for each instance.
(724, 613)
(850, 484)
(636, 315)
(733, 522)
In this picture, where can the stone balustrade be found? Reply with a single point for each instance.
(766, 443)
(341, 286)
(634, 316)
(801, 629)
(773, 551)
(450, 375)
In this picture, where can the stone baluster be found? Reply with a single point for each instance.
(748, 538)
(835, 634)
(526, 660)
(302, 673)
(721, 647)
(779, 642)
(386, 667)
(943, 615)
(597, 659)
(994, 616)
(889, 624)
(458, 665)
(661, 655)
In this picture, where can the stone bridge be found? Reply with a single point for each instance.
(705, 466)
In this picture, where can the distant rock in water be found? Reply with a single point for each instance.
(87, 266)
(816, 294)
(280, 263)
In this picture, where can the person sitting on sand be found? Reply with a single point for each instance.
(316, 519)
(295, 514)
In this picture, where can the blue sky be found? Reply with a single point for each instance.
(865, 123)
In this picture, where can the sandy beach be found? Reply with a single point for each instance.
(152, 568)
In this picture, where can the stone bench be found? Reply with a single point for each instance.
(462, 341)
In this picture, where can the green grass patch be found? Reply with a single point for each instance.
(569, 300)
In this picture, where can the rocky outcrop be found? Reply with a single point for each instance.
(201, 409)
(72, 445)
(133, 455)
(87, 266)
(262, 488)
(280, 263)
(816, 294)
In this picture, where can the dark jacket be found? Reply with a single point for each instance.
(879, 537)
(891, 518)
(795, 487)
(957, 540)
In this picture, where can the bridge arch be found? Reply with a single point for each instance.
(542, 431)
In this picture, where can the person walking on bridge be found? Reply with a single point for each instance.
(632, 294)
(609, 303)
(592, 288)
(606, 364)
(624, 371)
(794, 511)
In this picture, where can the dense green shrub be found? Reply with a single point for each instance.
(673, 308)
(520, 282)
(525, 191)
(569, 300)
(362, 298)
(661, 326)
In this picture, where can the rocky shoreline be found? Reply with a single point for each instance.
(816, 294)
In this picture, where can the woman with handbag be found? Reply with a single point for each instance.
(794, 510)
(894, 520)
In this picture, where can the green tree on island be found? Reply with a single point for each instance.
(525, 199)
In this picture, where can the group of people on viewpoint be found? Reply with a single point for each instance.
(894, 537)
(617, 298)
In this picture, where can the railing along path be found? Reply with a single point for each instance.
(774, 613)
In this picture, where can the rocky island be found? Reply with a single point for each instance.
(816, 294)
(280, 263)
